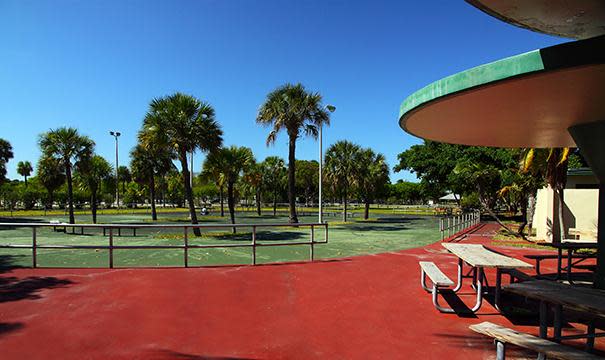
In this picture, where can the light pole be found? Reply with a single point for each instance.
(330, 108)
(116, 135)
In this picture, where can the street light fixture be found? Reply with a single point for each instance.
(330, 108)
(116, 135)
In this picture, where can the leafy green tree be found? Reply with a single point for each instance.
(307, 178)
(124, 177)
(406, 192)
(149, 161)
(275, 172)
(175, 190)
(183, 124)
(254, 177)
(342, 163)
(239, 159)
(371, 177)
(296, 111)
(24, 168)
(70, 148)
(91, 175)
(51, 175)
(6, 153)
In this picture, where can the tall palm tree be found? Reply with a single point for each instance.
(91, 174)
(238, 159)
(551, 163)
(371, 178)
(298, 112)
(342, 164)
(6, 153)
(70, 148)
(214, 169)
(274, 169)
(124, 177)
(24, 168)
(51, 174)
(148, 162)
(254, 176)
(183, 124)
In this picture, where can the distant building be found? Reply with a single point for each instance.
(580, 212)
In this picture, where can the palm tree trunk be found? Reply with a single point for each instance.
(559, 193)
(188, 192)
(154, 215)
(221, 196)
(93, 205)
(524, 206)
(258, 211)
(25, 177)
(70, 194)
(274, 201)
(366, 213)
(344, 205)
(231, 203)
(292, 179)
(531, 210)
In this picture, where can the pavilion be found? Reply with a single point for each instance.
(551, 97)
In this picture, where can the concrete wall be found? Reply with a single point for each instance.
(580, 212)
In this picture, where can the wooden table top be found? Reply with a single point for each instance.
(573, 244)
(586, 300)
(478, 255)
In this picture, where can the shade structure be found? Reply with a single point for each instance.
(577, 19)
(528, 100)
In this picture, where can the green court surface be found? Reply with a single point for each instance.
(357, 237)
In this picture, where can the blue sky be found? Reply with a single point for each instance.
(95, 65)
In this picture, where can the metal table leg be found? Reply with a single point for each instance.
(497, 289)
(543, 319)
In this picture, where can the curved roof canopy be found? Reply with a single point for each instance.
(577, 19)
(528, 100)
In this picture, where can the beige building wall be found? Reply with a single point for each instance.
(580, 212)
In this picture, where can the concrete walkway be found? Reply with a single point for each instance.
(361, 307)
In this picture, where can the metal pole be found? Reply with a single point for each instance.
(34, 246)
(117, 178)
(111, 248)
(186, 249)
(312, 250)
(253, 245)
(320, 172)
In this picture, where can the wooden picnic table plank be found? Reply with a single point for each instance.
(478, 255)
(586, 300)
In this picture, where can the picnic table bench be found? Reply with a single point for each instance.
(478, 257)
(545, 348)
(571, 246)
(588, 302)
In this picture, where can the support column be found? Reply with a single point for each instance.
(589, 138)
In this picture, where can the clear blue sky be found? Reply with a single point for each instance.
(95, 65)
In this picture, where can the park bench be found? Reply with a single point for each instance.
(544, 348)
(539, 257)
(438, 279)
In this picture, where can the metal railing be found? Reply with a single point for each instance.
(185, 246)
(453, 224)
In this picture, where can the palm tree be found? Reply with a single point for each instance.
(183, 124)
(371, 178)
(51, 176)
(238, 160)
(124, 176)
(274, 169)
(70, 148)
(24, 168)
(214, 169)
(6, 153)
(342, 164)
(298, 112)
(552, 164)
(254, 176)
(91, 174)
(147, 162)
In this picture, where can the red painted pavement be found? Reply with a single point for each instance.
(360, 307)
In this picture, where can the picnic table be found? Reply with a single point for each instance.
(588, 302)
(479, 258)
(571, 246)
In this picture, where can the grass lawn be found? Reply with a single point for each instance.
(357, 237)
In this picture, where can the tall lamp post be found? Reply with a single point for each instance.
(330, 108)
(116, 135)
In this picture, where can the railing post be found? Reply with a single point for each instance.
(186, 249)
(312, 250)
(34, 247)
(253, 245)
(111, 248)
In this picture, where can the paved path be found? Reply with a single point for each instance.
(360, 307)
